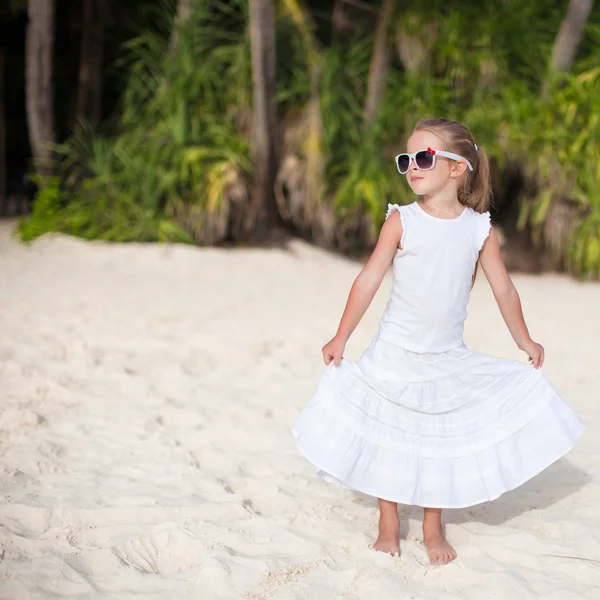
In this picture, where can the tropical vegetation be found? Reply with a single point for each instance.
(239, 116)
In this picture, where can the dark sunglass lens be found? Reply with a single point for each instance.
(403, 162)
(424, 159)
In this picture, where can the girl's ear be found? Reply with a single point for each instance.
(458, 168)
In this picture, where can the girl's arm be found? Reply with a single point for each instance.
(507, 297)
(365, 286)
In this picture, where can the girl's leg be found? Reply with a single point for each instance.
(439, 550)
(389, 528)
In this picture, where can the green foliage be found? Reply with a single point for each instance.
(46, 215)
(584, 252)
(180, 140)
(555, 138)
(177, 164)
(369, 179)
(341, 92)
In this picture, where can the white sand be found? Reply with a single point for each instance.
(146, 398)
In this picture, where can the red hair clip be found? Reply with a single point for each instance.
(432, 152)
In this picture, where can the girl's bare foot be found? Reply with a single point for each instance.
(440, 552)
(388, 539)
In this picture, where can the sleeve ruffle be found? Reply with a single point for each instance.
(390, 209)
(484, 226)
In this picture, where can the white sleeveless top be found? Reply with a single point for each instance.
(433, 273)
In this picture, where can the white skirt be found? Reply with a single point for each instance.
(444, 430)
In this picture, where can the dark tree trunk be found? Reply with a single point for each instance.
(379, 63)
(263, 212)
(2, 135)
(569, 35)
(38, 83)
(75, 28)
(89, 93)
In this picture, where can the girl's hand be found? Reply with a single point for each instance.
(535, 352)
(333, 350)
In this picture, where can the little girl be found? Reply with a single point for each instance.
(419, 418)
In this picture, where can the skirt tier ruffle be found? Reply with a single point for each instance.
(445, 430)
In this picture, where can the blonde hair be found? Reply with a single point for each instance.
(476, 188)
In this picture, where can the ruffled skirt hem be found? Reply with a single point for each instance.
(448, 430)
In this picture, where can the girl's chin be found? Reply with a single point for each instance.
(417, 188)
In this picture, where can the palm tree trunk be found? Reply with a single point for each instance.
(379, 63)
(38, 83)
(184, 10)
(2, 135)
(569, 35)
(89, 93)
(263, 212)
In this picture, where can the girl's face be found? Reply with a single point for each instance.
(445, 172)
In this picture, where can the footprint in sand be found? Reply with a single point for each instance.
(166, 552)
(51, 458)
(11, 478)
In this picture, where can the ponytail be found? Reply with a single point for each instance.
(476, 190)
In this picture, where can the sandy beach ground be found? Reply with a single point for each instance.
(147, 393)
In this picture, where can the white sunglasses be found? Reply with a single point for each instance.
(425, 159)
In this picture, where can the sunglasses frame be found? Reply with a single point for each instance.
(413, 158)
